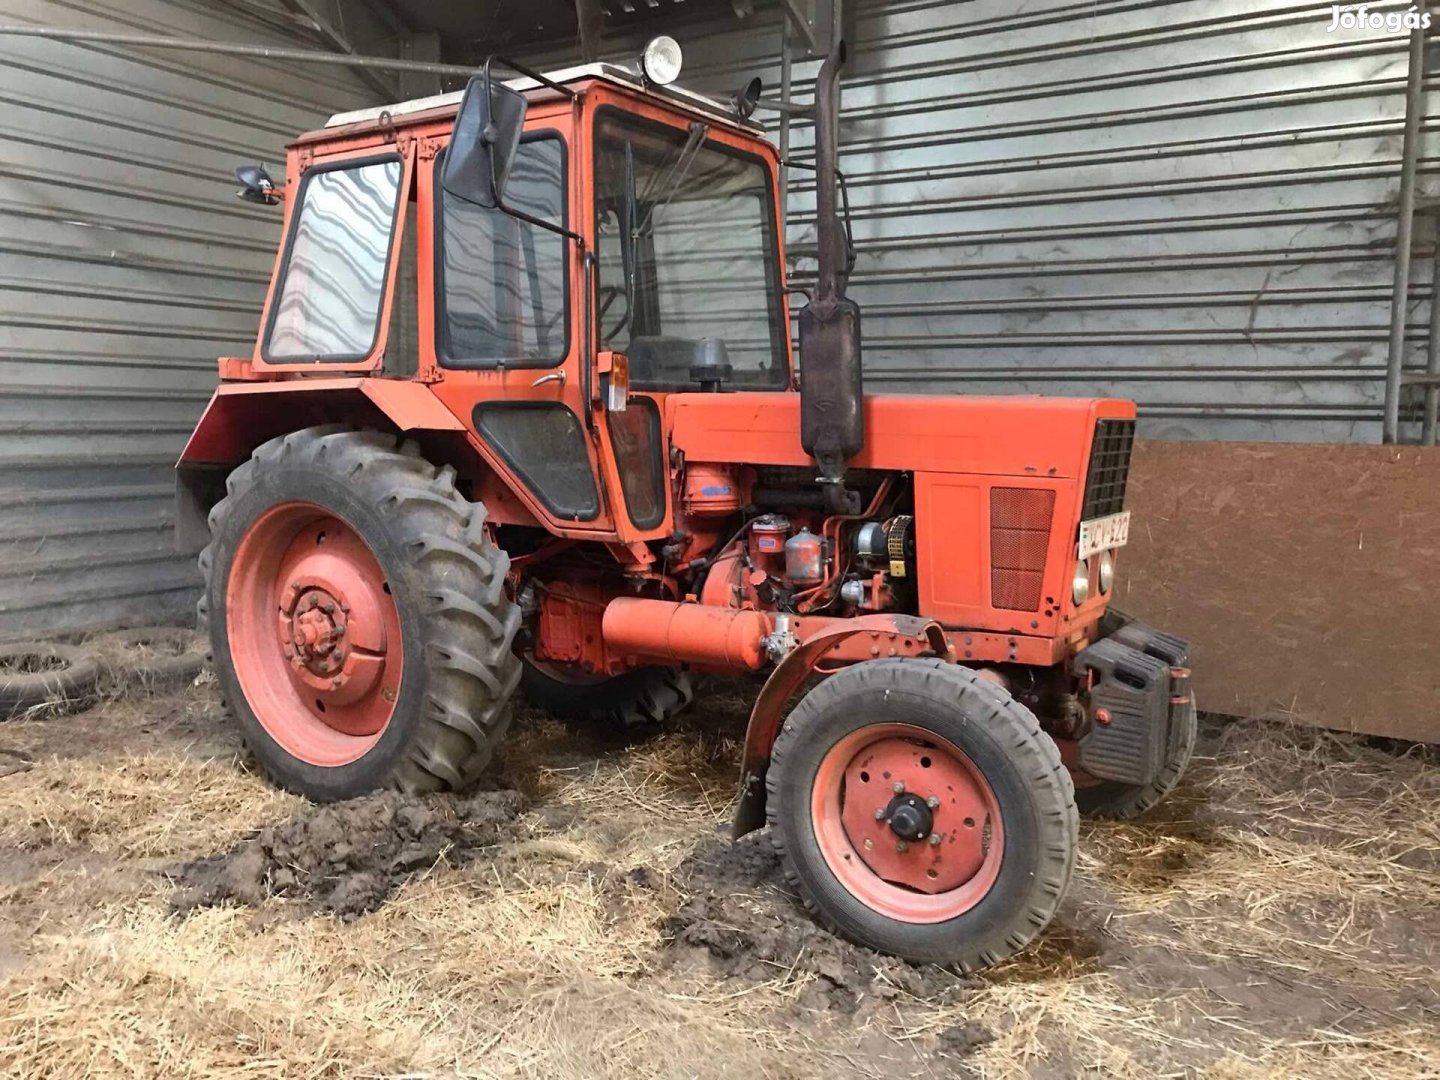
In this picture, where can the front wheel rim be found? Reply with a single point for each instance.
(314, 634)
(879, 797)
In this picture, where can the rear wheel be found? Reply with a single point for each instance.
(921, 811)
(635, 699)
(357, 612)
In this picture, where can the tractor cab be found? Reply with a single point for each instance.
(627, 249)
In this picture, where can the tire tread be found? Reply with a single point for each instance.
(1036, 756)
(469, 667)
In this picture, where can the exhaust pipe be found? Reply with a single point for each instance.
(832, 420)
(667, 632)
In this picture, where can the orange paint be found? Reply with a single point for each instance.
(658, 631)
(945, 456)
(313, 634)
(913, 881)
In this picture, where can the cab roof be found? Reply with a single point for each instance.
(611, 73)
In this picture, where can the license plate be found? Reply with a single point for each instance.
(1101, 534)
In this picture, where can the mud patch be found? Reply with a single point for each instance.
(348, 858)
(742, 921)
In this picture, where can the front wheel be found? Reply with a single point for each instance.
(357, 612)
(921, 811)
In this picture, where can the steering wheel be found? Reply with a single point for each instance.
(607, 295)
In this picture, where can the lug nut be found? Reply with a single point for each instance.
(900, 845)
(329, 609)
(340, 630)
(879, 813)
(933, 801)
(934, 839)
(898, 788)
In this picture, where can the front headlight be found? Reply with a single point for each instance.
(1107, 572)
(1080, 584)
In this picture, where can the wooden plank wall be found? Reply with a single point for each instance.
(1306, 575)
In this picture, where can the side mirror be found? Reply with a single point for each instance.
(744, 100)
(482, 149)
(256, 185)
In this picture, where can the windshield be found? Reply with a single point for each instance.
(688, 264)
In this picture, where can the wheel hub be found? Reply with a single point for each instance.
(930, 835)
(332, 621)
(909, 817)
(323, 668)
(317, 623)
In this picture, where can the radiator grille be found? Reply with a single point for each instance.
(1109, 468)
(1019, 540)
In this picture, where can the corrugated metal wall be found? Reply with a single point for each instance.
(1188, 203)
(126, 267)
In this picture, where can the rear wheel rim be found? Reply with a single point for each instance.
(857, 810)
(314, 634)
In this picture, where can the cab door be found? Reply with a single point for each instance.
(502, 340)
(634, 454)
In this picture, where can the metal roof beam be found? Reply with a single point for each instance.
(355, 17)
(802, 15)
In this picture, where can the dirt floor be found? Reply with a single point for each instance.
(163, 912)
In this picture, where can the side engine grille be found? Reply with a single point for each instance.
(1109, 468)
(1019, 540)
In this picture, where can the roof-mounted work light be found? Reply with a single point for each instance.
(661, 60)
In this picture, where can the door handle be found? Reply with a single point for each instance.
(554, 376)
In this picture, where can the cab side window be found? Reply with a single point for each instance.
(501, 300)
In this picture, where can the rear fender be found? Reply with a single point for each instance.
(241, 416)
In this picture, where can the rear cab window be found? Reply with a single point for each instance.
(331, 291)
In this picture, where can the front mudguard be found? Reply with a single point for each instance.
(789, 675)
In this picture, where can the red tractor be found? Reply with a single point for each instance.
(524, 409)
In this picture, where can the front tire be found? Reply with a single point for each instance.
(952, 755)
(357, 612)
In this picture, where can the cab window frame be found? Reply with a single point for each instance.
(320, 168)
(443, 354)
(776, 312)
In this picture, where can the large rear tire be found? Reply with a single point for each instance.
(635, 700)
(357, 613)
(885, 755)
